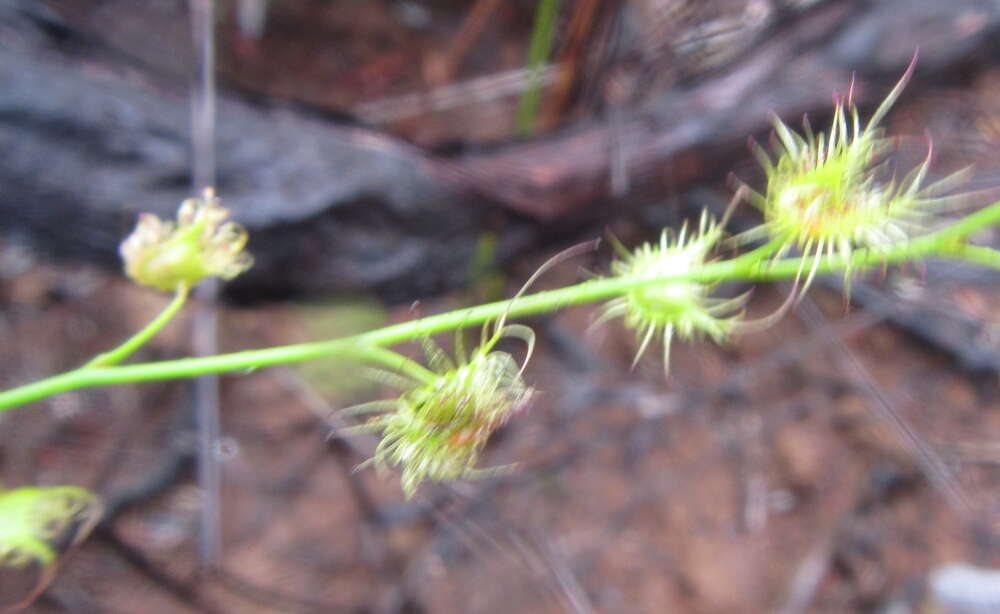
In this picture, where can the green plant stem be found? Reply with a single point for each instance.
(542, 36)
(947, 242)
(985, 256)
(763, 251)
(123, 351)
(395, 361)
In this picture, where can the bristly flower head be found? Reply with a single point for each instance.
(167, 255)
(827, 195)
(36, 525)
(679, 308)
(436, 429)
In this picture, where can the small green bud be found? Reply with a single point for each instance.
(167, 255)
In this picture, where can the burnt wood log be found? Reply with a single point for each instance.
(89, 142)
(90, 137)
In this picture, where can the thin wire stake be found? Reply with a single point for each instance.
(205, 326)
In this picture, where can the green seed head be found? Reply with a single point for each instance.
(681, 308)
(823, 190)
(437, 428)
(827, 193)
(36, 524)
(167, 255)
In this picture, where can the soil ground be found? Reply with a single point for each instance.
(759, 471)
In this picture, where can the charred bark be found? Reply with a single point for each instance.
(92, 135)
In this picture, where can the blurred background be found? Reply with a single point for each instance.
(397, 158)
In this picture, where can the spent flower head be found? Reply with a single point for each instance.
(437, 427)
(167, 255)
(827, 194)
(682, 308)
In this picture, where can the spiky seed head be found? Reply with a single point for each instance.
(166, 255)
(36, 524)
(823, 190)
(681, 308)
(437, 428)
(827, 193)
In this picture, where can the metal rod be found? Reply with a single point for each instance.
(204, 328)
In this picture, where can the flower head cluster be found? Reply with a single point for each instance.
(437, 427)
(827, 194)
(36, 523)
(168, 255)
(682, 308)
